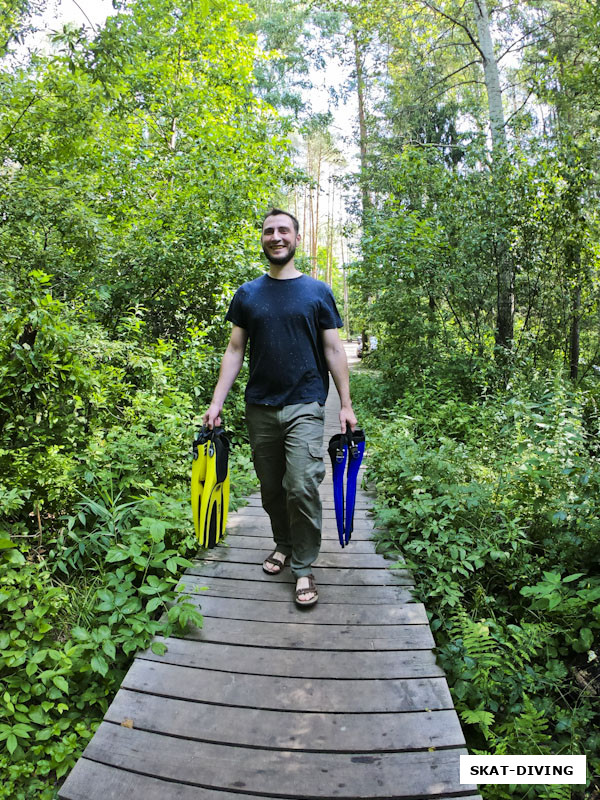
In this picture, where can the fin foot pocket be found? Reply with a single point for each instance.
(345, 449)
(210, 485)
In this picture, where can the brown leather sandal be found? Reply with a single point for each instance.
(270, 559)
(310, 589)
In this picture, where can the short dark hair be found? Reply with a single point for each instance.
(274, 211)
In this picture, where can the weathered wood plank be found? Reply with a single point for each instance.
(288, 694)
(272, 590)
(345, 558)
(372, 664)
(362, 525)
(91, 780)
(326, 614)
(314, 637)
(265, 544)
(257, 511)
(362, 503)
(287, 730)
(323, 576)
(265, 772)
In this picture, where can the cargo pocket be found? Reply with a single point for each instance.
(316, 464)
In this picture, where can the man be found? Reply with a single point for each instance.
(291, 321)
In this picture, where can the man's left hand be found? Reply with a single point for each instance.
(347, 417)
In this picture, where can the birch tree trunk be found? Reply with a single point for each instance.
(492, 78)
(505, 272)
(362, 119)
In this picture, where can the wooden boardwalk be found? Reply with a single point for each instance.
(342, 700)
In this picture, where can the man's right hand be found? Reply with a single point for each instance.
(212, 418)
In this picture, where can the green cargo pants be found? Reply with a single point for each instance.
(287, 446)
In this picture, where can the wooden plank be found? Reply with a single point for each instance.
(344, 558)
(290, 635)
(349, 696)
(265, 772)
(287, 730)
(265, 544)
(91, 780)
(272, 590)
(364, 530)
(362, 525)
(361, 504)
(326, 614)
(256, 511)
(371, 664)
(323, 577)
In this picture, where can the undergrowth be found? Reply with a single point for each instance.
(492, 502)
(95, 520)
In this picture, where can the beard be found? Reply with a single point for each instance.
(282, 260)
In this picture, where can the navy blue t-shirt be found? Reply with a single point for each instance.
(283, 319)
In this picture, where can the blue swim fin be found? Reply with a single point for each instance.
(345, 448)
(338, 452)
(356, 449)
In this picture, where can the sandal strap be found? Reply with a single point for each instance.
(270, 559)
(310, 589)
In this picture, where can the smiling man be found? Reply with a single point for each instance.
(291, 322)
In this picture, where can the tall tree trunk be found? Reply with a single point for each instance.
(362, 120)
(491, 77)
(315, 253)
(505, 272)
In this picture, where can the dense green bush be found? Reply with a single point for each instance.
(95, 518)
(493, 504)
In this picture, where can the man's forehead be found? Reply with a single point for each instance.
(278, 221)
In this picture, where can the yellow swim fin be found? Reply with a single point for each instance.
(210, 485)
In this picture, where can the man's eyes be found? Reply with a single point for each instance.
(272, 230)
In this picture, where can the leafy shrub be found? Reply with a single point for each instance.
(96, 520)
(493, 505)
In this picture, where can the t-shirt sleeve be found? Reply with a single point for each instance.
(329, 316)
(236, 313)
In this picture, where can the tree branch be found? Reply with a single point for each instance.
(19, 118)
(460, 24)
(451, 74)
(514, 114)
(513, 45)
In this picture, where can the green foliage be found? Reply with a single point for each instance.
(492, 504)
(133, 167)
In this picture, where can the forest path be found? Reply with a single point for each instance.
(342, 700)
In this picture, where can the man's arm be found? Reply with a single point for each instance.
(231, 364)
(335, 356)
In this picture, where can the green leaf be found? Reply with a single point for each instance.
(15, 557)
(61, 683)
(6, 544)
(574, 577)
(98, 664)
(116, 554)
(158, 648)
(109, 648)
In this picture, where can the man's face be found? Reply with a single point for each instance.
(279, 239)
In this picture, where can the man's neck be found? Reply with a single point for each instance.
(283, 272)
